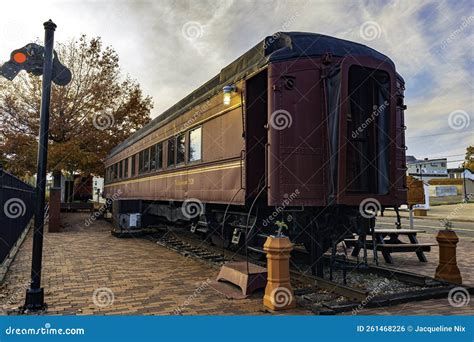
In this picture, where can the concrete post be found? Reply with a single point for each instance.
(448, 269)
(278, 292)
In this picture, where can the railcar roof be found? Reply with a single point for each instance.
(278, 47)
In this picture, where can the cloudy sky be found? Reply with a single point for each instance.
(172, 47)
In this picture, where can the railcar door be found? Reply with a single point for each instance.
(256, 104)
(367, 132)
(296, 131)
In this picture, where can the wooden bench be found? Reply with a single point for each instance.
(388, 241)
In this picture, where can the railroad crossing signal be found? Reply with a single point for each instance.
(31, 59)
(38, 60)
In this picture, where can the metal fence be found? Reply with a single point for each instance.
(17, 200)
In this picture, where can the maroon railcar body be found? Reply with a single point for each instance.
(299, 154)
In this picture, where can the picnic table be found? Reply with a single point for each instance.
(388, 241)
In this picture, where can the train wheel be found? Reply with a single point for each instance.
(219, 242)
(256, 255)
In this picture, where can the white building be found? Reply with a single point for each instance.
(88, 190)
(427, 169)
(97, 187)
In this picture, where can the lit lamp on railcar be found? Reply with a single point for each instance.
(228, 90)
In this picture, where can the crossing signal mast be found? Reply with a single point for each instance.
(31, 59)
(38, 60)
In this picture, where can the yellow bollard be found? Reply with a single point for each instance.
(278, 292)
(448, 269)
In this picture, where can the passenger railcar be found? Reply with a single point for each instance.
(298, 136)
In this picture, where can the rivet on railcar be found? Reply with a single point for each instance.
(303, 135)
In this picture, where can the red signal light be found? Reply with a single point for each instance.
(19, 57)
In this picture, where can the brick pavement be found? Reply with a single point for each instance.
(409, 262)
(144, 277)
(147, 279)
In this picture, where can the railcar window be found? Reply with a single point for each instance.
(153, 158)
(140, 162)
(195, 145)
(121, 169)
(125, 170)
(171, 148)
(115, 170)
(146, 160)
(159, 156)
(134, 158)
(180, 148)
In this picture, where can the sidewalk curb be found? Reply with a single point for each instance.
(433, 218)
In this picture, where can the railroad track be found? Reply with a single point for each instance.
(187, 249)
(187, 245)
(305, 284)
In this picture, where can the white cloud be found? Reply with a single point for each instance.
(148, 37)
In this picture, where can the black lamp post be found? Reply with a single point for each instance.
(35, 294)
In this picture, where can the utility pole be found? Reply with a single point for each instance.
(466, 199)
(35, 294)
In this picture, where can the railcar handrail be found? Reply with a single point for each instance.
(264, 187)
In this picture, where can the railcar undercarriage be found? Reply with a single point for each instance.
(244, 230)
